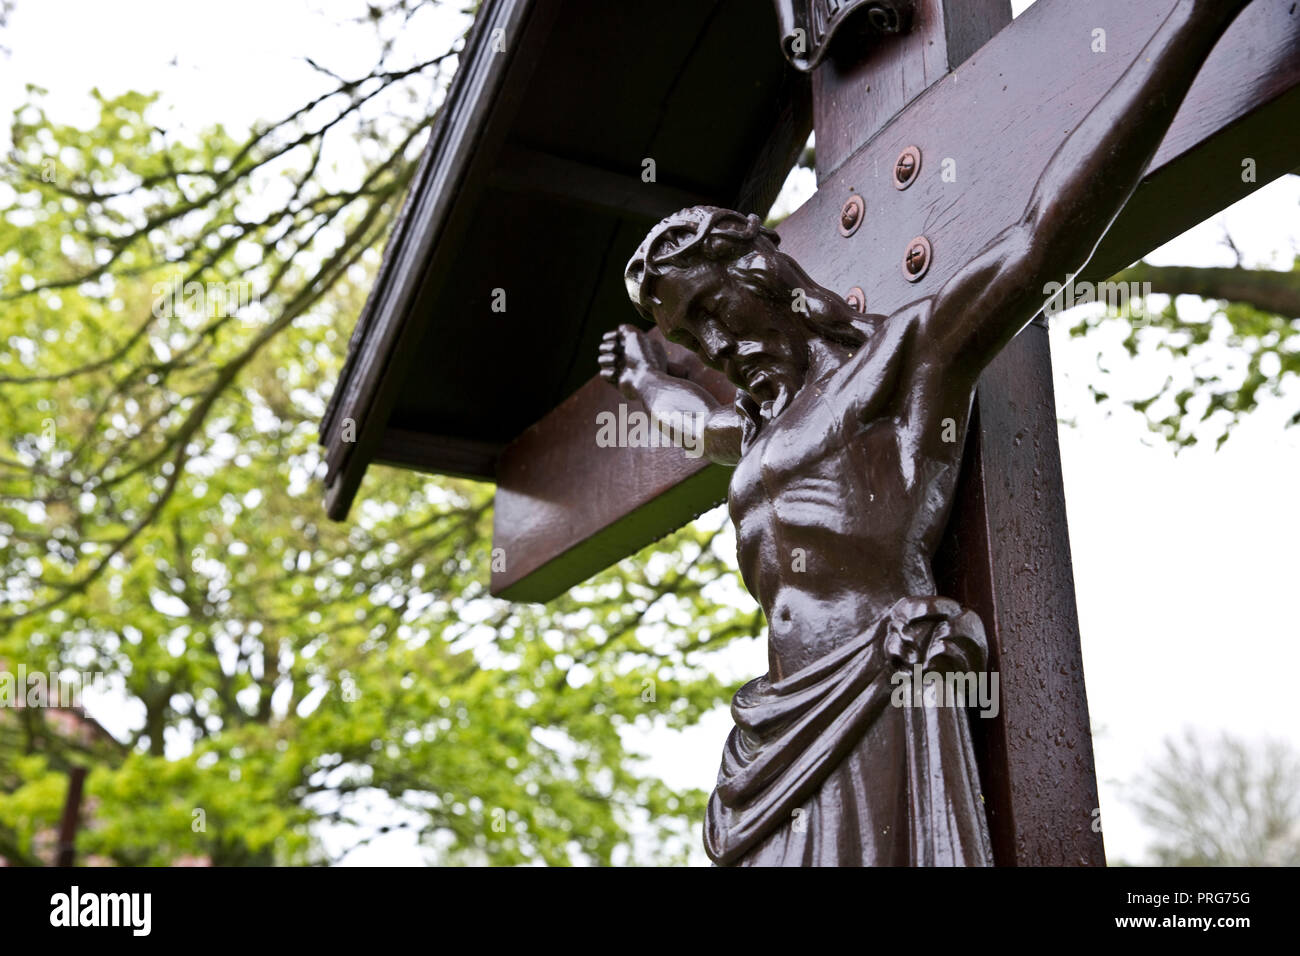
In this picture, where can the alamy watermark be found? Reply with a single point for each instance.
(133, 911)
(214, 300)
(637, 429)
(1116, 296)
(953, 689)
(52, 688)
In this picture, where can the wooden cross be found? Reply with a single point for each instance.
(939, 132)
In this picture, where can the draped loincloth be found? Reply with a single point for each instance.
(822, 770)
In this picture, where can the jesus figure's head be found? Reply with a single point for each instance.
(714, 281)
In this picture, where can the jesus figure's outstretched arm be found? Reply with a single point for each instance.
(1084, 187)
(684, 412)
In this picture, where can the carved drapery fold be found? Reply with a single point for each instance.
(807, 778)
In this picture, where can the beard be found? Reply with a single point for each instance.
(769, 410)
(773, 391)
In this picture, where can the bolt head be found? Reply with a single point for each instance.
(851, 215)
(906, 167)
(916, 260)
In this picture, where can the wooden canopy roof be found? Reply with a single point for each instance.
(532, 184)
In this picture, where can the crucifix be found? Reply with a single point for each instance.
(941, 130)
(846, 438)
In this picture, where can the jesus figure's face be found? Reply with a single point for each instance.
(751, 338)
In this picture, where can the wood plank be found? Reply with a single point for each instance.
(579, 184)
(852, 101)
(1006, 554)
(1029, 86)
(1051, 79)
(444, 454)
(780, 148)
(471, 122)
(539, 502)
(566, 67)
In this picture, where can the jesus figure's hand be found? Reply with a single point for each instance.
(625, 353)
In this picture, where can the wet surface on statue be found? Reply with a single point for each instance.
(846, 436)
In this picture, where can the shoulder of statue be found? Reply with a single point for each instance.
(889, 340)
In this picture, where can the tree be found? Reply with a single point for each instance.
(174, 309)
(1223, 802)
(1247, 348)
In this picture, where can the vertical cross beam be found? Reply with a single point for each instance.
(1006, 553)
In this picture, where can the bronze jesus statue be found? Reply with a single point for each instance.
(842, 439)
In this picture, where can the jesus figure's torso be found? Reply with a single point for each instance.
(840, 501)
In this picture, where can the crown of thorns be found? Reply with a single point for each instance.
(706, 232)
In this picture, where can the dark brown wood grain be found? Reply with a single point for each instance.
(1006, 554)
(854, 96)
(383, 345)
(553, 484)
(534, 172)
(533, 182)
(448, 455)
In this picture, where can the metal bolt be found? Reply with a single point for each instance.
(916, 261)
(857, 300)
(906, 167)
(851, 215)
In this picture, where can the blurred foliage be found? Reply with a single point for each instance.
(1223, 802)
(306, 685)
(1246, 349)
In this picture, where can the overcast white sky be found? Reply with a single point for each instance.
(1184, 564)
